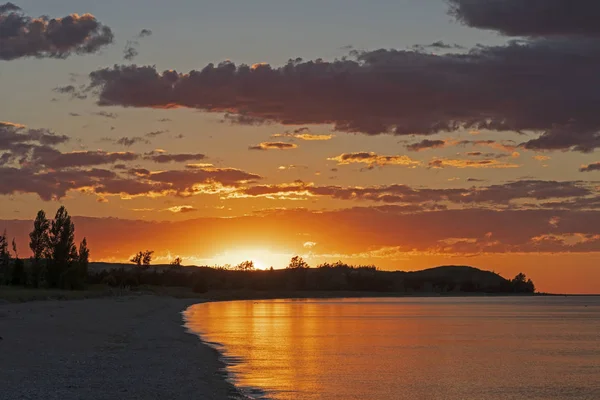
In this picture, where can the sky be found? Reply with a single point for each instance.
(405, 134)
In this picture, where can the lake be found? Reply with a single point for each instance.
(477, 348)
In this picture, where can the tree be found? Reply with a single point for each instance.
(521, 284)
(62, 250)
(4, 260)
(38, 238)
(245, 266)
(176, 263)
(298, 262)
(39, 245)
(142, 258)
(137, 259)
(147, 257)
(84, 258)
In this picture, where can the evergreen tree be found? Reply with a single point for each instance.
(39, 245)
(62, 250)
(84, 259)
(4, 260)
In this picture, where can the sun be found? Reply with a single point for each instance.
(262, 259)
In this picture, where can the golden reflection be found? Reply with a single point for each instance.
(461, 348)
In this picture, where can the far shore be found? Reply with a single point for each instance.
(21, 294)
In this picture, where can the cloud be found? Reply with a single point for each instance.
(17, 142)
(509, 194)
(182, 209)
(531, 17)
(590, 167)
(156, 133)
(437, 45)
(55, 159)
(167, 158)
(273, 146)
(456, 163)
(303, 134)
(130, 141)
(507, 145)
(144, 33)
(54, 184)
(291, 166)
(426, 144)
(373, 159)
(48, 185)
(23, 36)
(131, 47)
(130, 52)
(525, 86)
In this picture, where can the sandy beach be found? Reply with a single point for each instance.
(108, 348)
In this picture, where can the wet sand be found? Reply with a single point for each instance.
(109, 348)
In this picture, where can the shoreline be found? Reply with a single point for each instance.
(135, 347)
(119, 346)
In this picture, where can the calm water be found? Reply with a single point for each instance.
(468, 348)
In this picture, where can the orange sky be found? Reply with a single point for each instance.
(408, 156)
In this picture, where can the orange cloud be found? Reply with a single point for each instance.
(373, 160)
(454, 163)
(273, 146)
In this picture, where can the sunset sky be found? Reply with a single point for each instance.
(406, 134)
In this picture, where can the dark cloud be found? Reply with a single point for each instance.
(130, 52)
(530, 17)
(590, 167)
(495, 195)
(18, 142)
(23, 36)
(438, 45)
(167, 158)
(54, 159)
(155, 133)
(184, 181)
(130, 141)
(426, 144)
(48, 185)
(71, 90)
(546, 86)
(145, 33)
(273, 146)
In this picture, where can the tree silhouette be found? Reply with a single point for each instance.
(84, 258)
(521, 284)
(176, 262)
(63, 252)
(4, 259)
(39, 245)
(297, 262)
(147, 257)
(245, 266)
(137, 259)
(142, 258)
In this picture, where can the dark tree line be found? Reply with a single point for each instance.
(56, 262)
(325, 277)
